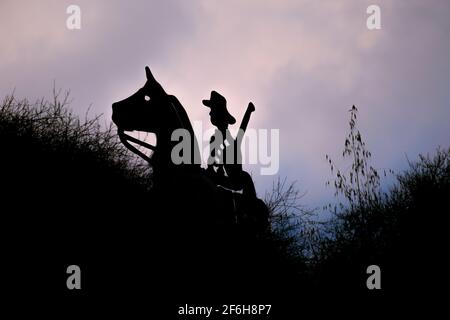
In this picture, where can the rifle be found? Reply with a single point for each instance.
(236, 167)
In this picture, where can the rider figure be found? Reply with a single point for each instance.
(221, 118)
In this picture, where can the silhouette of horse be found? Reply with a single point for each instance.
(183, 187)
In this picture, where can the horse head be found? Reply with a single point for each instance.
(143, 110)
(152, 110)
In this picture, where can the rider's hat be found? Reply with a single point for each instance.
(218, 104)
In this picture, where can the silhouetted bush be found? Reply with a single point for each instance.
(52, 127)
(391, 229)
(72, 192)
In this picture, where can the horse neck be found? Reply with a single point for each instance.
(179, 120)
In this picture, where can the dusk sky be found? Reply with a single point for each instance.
(302, 63)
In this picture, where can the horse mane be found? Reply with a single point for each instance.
(185, 123)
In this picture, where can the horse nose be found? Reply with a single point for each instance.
(115, 109)
(115, 106)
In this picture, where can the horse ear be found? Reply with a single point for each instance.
(152, 84)
(148, 73)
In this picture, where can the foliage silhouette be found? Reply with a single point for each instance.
(391, 229)
(71, 193)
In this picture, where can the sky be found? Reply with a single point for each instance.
(303, 63)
